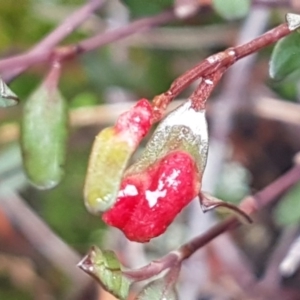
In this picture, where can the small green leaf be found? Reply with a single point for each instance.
(288, 210)
(232, 9)
(162, 288)
(285, 59)
(43, 135)
(7, 96)
(105, 267)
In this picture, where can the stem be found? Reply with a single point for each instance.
(205, 88)
(137, 26)
(62, 53)
(219, 61)
(52, 79)
(155, 267)
(249, 205)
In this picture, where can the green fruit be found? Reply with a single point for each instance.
(43, 136)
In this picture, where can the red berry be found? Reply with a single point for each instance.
(149, 201)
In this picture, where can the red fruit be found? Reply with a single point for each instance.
(149, 201)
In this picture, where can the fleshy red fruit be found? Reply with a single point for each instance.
(149, 201)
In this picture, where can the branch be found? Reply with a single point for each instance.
(250, 205)
(62, 53)
(18, 64)
(217, 62)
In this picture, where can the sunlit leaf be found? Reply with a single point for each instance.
(43, 136)
(105, 267)
(288, 209)
(285, 58)
(232, 9)
(7, 96)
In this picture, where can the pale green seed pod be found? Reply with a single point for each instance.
(44, 134)
(108, 160)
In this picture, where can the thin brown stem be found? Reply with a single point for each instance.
(62, 53)
(219, 61)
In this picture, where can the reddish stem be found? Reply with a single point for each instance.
(52, 79)
(217, 62)
(20, 62)
(205, 88)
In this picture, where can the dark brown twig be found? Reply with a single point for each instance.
(62, 53)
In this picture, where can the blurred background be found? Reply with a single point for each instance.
(254, 128)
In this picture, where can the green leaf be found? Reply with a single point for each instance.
(162, 288)
(285, 59)
(105, 267)
(288, 210)
(232, 9)
(43, 136)
(7, 96)
(140, 8)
